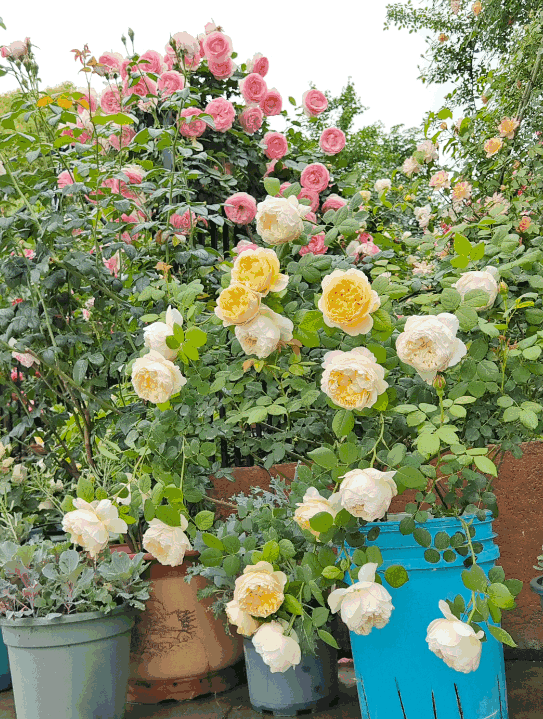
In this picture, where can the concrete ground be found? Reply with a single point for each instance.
(524, 685)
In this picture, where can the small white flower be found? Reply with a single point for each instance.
(167, 544)
(430, 345)
(367, 493)
(277, 651)
(485, 281)
(365, 604)
(423, 215)
(19, 473)
(155, 334)
(429, 150)
(454, 641)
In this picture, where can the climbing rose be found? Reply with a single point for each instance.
(217, 46)
(237, 304)
(315, 245)
(278, 651)
(313, 503)
(223, 112)
(315, 177)
(259, 64)
(332, 141)
(410, 166)
(382, 185)
(251, 119)
(280, 219)
(168, 544)
(347, 301)
(461, 191)
(262, 335)
(440, 180)
(222, 70)
(89, 524)
(188, 127)
(365, 604)
(240, 208)
(272, 103)
(507, 127)
(275, 144)
(367, 493)
(454, 641)
(253, 88)
(353, 380)
(485, 281)
(333, 202)
(310, 195)
(169, 82)
(259, 270)
(155, 378)
(314, 102)
(259, 590)
(493, 146)
(245, 623)
(156, 334)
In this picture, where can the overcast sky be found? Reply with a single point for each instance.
(319, 42)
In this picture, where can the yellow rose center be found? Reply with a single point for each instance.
(346, 390)
(235, 301)
(423, 352)
(346, 300)
(261, 601)
(254, 271)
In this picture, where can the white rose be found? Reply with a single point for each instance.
(47, 504)
(354, 248)
(429, 150)
(167, 544)
(454, 641)
(485, 281)
(353, 380)
(156, 378)
(262, 335)
(259, 590)
(423, 215)
(382, 185)
(279, 219)
(410, 166)
(367, 493)
(365, 195)
(312, 504)
(246, 624)
(90, 524)
(365, 604)
(155, 335)
(429, 344)
(2, 450)
(19, 474)
(277, 651)
(423, 268)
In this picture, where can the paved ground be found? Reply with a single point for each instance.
(524, 683)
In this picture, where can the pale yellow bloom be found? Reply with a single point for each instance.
(237, 304)
(493, 146)
(347, 301)
(259, 590)
(259, 270)
(507, 127)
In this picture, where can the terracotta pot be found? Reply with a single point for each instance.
(178, 649)
(245, 479)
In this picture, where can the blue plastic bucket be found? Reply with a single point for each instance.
(5, 676)
(398, 677)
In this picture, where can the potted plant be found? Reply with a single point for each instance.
(268, 580)
(66, 619)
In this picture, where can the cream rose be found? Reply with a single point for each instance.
(485, 281)
(382, 185)
(347, 301)
(2, 450)
(367, 493)
(237, 304)
(429, 344)
(155, 335)
(262, 335)
(429, 150)
(280, 219)
(454, 641)
(278, 651)
(89, 524)
(365, 195)
(167, 544)
(19, 473)
(365, 604)
(423, 215)
(353, 380)
(246, 624)
(155, 378)
(259, 590)
(259, 270)
(312, 504)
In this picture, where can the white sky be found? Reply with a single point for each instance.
(305, 41)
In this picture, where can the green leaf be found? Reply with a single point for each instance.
(410, 477)
(85, 489)
(211, 557)
(287, 549)
(501, 635)
(432, 556)
(373, 554)
(328, 638)
(319, 616)
(272, 186)
(231, 543)
(321, 522)
(428, 444)
(324, 457)
(349, 453)
(292, 605)
(475, 579)
(467, 317)
(312, 321)
(169, 515)
(396, 576)
(195, 337)
(271, 551)
(210, 540)
(231, 565)
(80, 370)
(204, 520)
(475, 298)
(528, 418)
(396, 455)
(501, 596)
(462, 245)
(496, 574)
(407, 525)
(422, 536)
(485, 465)
(441, 541)
(343, 423)
(450, 299)
(332, 573)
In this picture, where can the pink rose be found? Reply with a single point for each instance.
(314, 102)
(16, 50)
(222, 111)
(315, 177)
(185, 44)
(222, 70)
(113, 264)
(332, 141)
(217, 46)
(110, 101)
(333, 202)
(169, 82)
(90, 100)
(4, 51)
(240, 208)
(251, 119)
(185, 222)
(127, 135)
(154, 62)
(259, 64)
(135, 174)
(169, 61)
(369, 248)
(191, 128)
(29, 254)
(192, 62)
(310, 195)
(65, 179)
(270, 167)
(124, 68)
(253, 87)
(271, 103)
(310, 217)
(112, 62)
(143, 87)
(242, 246)
(209, 27)
(315, 245)
(275, 144)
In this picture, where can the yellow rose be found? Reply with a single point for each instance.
(259, 590)
(155, 378)
(347, 301)
(259, 270)
(237, 305)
